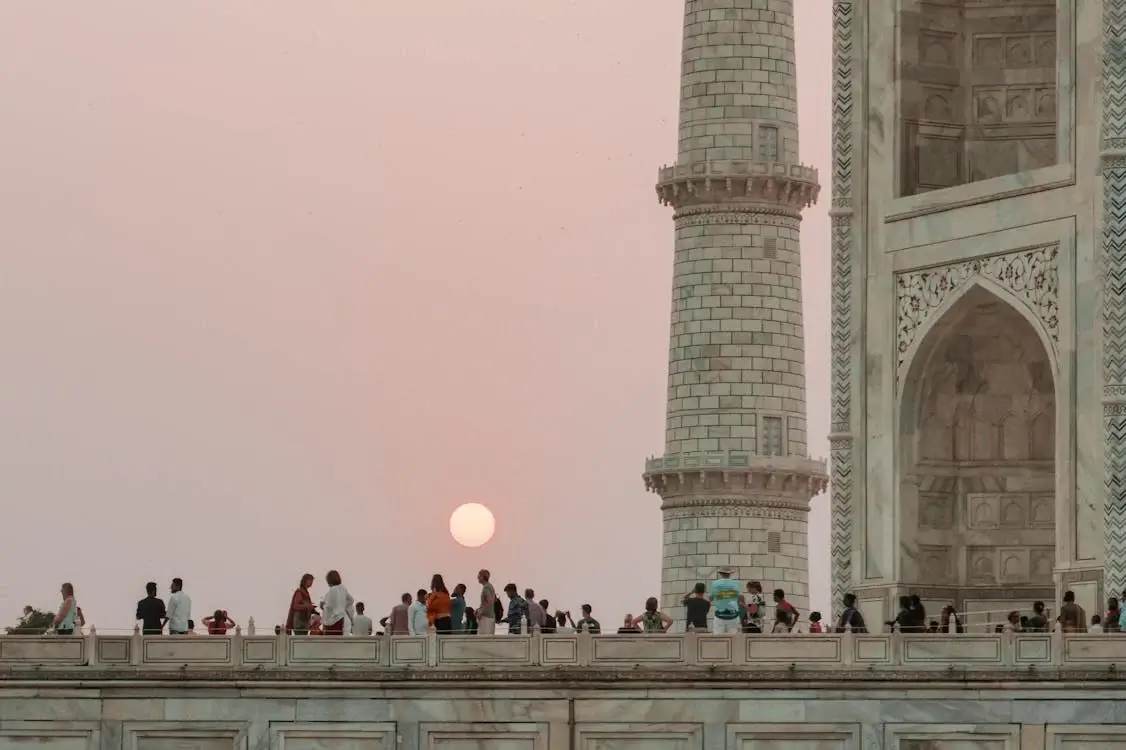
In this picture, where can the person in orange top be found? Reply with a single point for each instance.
(438, 605)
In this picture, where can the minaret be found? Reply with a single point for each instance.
(735, 481)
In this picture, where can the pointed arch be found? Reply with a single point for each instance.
(940, 316)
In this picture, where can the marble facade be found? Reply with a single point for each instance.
(563, 692)
(979, 277)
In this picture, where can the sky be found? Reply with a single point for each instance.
(283, 283)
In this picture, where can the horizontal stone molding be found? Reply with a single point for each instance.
(850, 654)
(754, 184)
(726, 478)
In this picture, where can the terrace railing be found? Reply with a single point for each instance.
(849, 651)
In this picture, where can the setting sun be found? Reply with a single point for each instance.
(472, 525)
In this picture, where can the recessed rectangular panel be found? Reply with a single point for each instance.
(483, 736)
(559, 649)
(764, 650)
(639, 737)
(952, 737)
(259, 650)
(113, 649)
(27, 649)
(334, 650)
(1032, 649)
(333, 736)
(1078, 737)
(871, 649)
(793, 737)
(187, 649)
(715, 649)
(640, 649)
(952, 649)
(203, 735)
(408, 650)
(484, 650)
(1094, 649)
(49, 735)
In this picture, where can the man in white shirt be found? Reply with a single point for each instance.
(362, 625)
(179, 610)
(418, 623)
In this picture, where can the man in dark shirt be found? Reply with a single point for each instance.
(151, 611)
(696, 606)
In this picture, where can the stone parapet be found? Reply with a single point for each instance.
(755, 185)
(847, 656)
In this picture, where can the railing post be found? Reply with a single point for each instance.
(1057, 645)
(691, 652)
(92, 647)
(250, 626)
(432, 648)
(896, 648)
(236, 647)
(1008, 646)
(136, 645)
(283, 647)
(585, 648)
(848, 646)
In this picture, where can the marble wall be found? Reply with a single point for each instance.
(914, 252)
(663, 712)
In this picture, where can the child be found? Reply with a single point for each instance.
(1096, 624)
(815, 623)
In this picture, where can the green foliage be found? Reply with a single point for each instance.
(33, 622)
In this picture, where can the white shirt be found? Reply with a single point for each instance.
(418, 623)
(361, 625)
(337, 604)
(1095, 629)
(179, 611)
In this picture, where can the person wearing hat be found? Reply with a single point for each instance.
(724, 594)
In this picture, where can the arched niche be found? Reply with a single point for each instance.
(976, 451)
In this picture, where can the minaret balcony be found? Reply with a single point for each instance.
(772, 185)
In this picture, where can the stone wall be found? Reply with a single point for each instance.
(947, 693)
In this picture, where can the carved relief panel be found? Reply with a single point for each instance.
(978, 89)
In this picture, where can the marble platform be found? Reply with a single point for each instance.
(564, 692)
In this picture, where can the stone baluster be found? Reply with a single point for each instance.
(91, 646)
(250, 626)
(136, 644)
(848, 645)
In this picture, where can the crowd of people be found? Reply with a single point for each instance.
(722, 605)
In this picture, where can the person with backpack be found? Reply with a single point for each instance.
(851, 619)
(652, 620)
(785, 614)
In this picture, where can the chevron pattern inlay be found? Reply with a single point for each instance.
(842, 324)
(1114, 291)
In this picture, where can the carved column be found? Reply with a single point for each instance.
(1114, 290)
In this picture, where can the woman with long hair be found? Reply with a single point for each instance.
(652, 620)
(336, 605)
(301, 608)
(439, 605)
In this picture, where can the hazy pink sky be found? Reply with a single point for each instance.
(283, 283)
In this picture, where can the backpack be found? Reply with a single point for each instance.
(498, 610)
(651, 622)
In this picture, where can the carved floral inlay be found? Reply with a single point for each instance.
(1031, 275)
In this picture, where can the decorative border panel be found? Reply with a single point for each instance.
(843, 344)
(1080, 737)
(1031, 275)
(1114, 290)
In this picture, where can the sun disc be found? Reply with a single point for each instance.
(472, 525)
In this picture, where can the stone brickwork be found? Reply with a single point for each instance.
(735, 479)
